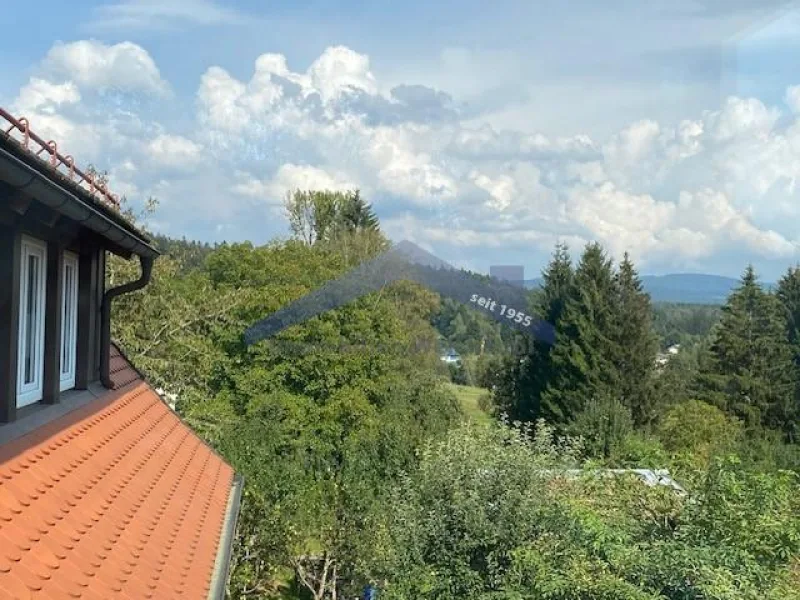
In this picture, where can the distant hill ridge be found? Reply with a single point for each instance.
(686, 288)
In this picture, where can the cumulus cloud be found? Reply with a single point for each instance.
(174, 151)
(290, 177)
(339, 70)
(42, 95)
(672, 194)
(93, 65)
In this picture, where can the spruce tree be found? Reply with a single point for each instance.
(751, 372)
(526, 377)
(582, 360)
(788, 293)
(636, 344)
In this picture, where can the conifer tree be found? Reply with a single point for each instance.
(556, 289)
(636, 344)
(788, 293)
(526, 378)
(751, 372)
(582, 360)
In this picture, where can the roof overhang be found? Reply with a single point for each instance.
(24, 172)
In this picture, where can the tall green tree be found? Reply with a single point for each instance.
(636, 343)
(788, 293)
(751, 371)
(582, 361)
(524, 379)
(324, 215)
(550, 305)
(339, 221)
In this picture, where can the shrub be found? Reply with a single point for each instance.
(603, 424)
(695, 432)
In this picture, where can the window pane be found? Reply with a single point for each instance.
(65, 319)
(68, 316)
(31, 318)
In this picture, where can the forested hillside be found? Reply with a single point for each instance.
(361, 468)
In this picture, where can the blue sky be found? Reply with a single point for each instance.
(485, 132)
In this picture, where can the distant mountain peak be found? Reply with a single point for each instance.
(416, 255)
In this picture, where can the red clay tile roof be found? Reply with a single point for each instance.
(121, 371)
(117, 499)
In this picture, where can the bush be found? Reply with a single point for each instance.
(641, 451)
(489, 515)
(486, 404)
(603, 424)
(460, 375)
(695, 432)
(487, 370)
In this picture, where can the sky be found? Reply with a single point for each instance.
(484, 132)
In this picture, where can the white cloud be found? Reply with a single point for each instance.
(402, 168)
(43, 104)
(338, 70)
(164, 14)
(219, 97)
(501, 190)
(290, 177)
(793, 98)
(743, 117)
(42, 95)
(93, 65)
(174, 151)
(673, 194)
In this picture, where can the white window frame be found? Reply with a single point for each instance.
(33, 391)
(68, 354)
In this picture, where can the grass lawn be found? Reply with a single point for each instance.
(468, 397)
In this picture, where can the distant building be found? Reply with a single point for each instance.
(513, 274)
(662, 358)
(451, 357)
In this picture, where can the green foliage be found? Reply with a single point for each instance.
(356, 468)
(697, 432)
(683, 324)
(635, 345)
(788, 293)
(341, 221)
(639, 450)
(750, 371)
(582, 364)
(605, 346)
(460, 374)
(318, 419)
(491, 514)
(468, 330)
(603, 424)
(189, 254)
(537, 369)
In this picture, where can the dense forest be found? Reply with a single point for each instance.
(363, 467)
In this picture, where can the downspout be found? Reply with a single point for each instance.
(105, 331)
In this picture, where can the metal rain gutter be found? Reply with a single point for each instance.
(105, 316)
(219, 580)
